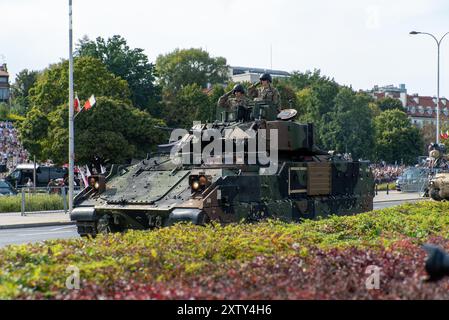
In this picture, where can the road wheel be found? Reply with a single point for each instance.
(106, 225)
(203, 219)
(435, 194)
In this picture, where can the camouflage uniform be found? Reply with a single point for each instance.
(269, 94)
(232, 103)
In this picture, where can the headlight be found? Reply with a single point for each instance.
(97, 182)
(195, 185)
(203, 181)
(199, 182)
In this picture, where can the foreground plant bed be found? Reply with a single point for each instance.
(271, 260)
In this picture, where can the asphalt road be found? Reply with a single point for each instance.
(387, 204)
(30, 235)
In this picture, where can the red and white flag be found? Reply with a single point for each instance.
(83, 177)
(76, 104)
(88, 171)
(90, 103)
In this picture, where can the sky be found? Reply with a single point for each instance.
(357, 42)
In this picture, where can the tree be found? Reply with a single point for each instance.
(188, 105)
(33, 131)
(326, 89)
(215, 94)
(396, 138)
(185, 67)
(428, 134)
(90, 77)
(308, 106)
(132, 65)
(287, 93)
(25, 80)
(112, 131)
(349, 127)
(389, 103)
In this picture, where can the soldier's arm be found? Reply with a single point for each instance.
(223, 101)
(252, 90)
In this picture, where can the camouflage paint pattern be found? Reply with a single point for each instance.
(308, 184)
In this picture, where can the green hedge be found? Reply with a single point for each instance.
(183, 250)
(33, 202)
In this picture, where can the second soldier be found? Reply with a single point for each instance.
(236, 101)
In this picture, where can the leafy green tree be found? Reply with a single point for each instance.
(308, 106)
(129, 64)
(90, 77)
(4, 111)
(184, 67)
(349, 127)
(396, 138)
(188, 105)
(287, 93)
(215, 94)
(427, 132)
(33, 131)
(375, 110)
(389, 103)
(25, 80)
(326, 89)
(112, 130)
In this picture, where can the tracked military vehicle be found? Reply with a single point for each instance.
(438, 185)
(298, 182)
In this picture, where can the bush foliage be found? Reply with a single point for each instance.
(271, 260)
(33, 202)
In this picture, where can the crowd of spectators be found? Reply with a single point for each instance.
(11, 151)
(384, 173)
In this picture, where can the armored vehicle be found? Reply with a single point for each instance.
(271, 168)
(438, 186)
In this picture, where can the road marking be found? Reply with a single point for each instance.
(62, 228)
(44, 233)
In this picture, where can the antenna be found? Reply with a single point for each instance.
(271, 56)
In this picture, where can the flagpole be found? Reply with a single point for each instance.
(71, 131)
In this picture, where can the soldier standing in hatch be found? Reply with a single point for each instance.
(264, 91)
(235, 100)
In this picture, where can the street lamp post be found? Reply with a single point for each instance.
(438, 78)
(71, 100)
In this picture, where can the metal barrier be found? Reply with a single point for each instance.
(416, 184)
(30, 197)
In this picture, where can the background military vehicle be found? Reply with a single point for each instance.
(157, 192)
(438, 186)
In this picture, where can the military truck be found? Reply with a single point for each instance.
(298, 182)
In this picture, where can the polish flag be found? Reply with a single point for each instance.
(76, 104)
(88, 171)
(83, 177)
(90, 103)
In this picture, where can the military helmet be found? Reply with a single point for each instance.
(266, 76)
(238, 88)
